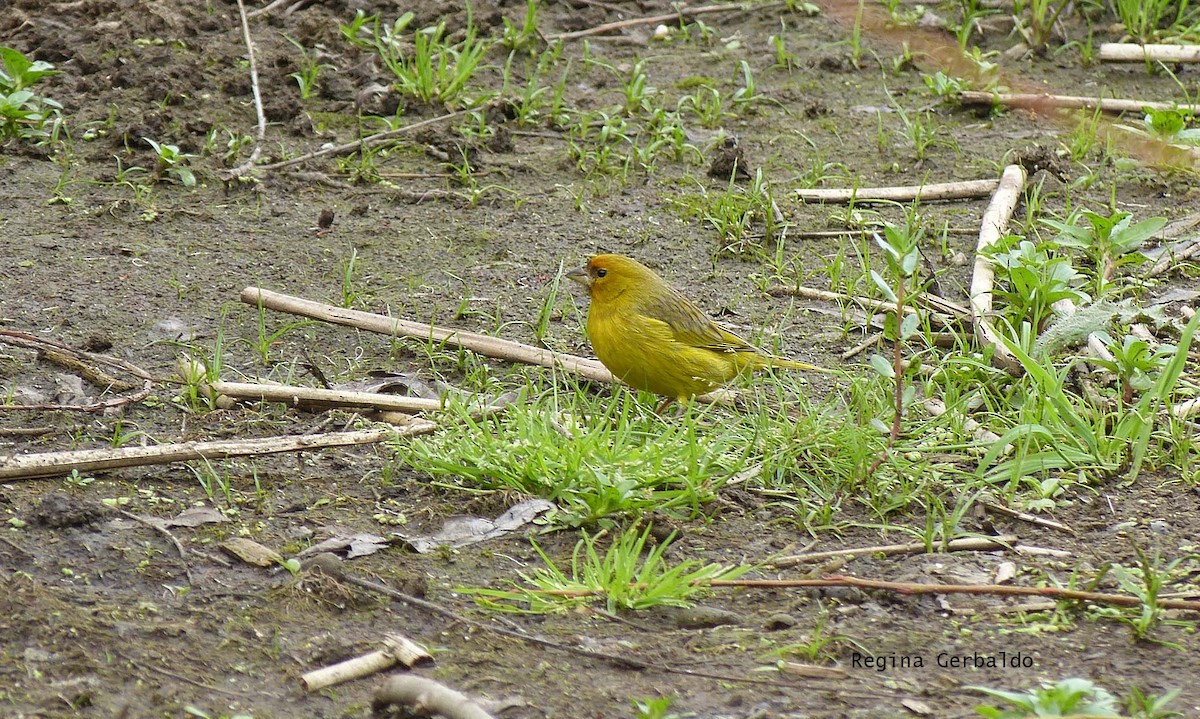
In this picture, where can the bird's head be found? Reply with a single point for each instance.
(608, 276)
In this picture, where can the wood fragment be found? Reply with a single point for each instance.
(324, 398)
(83, 363)
(1026, 517)
(1179, 253)
(1133, 52)
(260, 132)
(481, 344)
(425, 697)
(267, 9)
(942, 318)
(1041, 102)
(370, 141)
(1031, 551)
(24, 431)
(870, 341)
(972, 544)
(931, 192)
(992, 227)
(397, 649)
(54, 464)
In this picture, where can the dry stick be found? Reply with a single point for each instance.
(260, 134)
(966, 189)
(94, 375)
(324, 397)
(995, 221)
(1066, 102)
(44, 345)
(822, 234)
(267, 9)
(974, 544)
(398, 649)
(52, 464)
(654, 19)
(24, 431)
(1130, 52)
(862, 346)
(838, 580)
(1168, 260)
(75, 360)
(1026, 517)
(425, 697)
(368, 141)
(481, 344)
(874, 305)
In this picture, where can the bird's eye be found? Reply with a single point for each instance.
(601, 272)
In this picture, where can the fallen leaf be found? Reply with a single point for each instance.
(252, 552)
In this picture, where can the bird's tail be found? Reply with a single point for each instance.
(793, 364)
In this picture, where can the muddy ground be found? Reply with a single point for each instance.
(101, 617)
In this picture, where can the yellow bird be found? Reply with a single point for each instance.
(654, 339)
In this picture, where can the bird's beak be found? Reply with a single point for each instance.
(581, 276)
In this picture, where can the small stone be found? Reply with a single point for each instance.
(779, 620)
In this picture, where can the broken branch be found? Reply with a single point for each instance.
(1031, 101)
(974, 544)
(1132, 52)
(397, 649)
(53, 464)
(292, 395)
(481, 344)
(425, 697)
(966, 189)
(994, 223)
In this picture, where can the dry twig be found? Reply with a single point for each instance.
(53, 464)
(481, 344)
(1032, 101)
(397, 649)
(425, 697)
(78, 361)
(1132, 52)
(369, 141)
(1026, 517)
(931, 192)
(995, 221)
(946, 317)
(260, 134)
(972, 544)
(323, 398)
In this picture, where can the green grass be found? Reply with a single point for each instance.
(629, 575)
(606, 458)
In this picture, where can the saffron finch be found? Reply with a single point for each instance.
(654, 339)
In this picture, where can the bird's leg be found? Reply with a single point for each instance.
(663, 405)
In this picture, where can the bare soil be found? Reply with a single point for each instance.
(101, 617)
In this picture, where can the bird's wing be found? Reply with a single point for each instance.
(690, 326)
